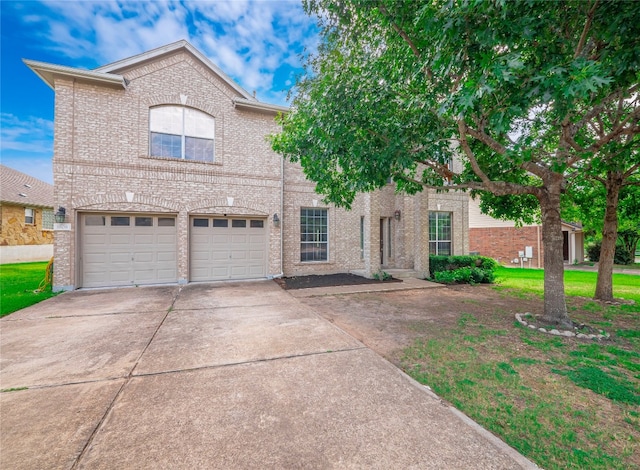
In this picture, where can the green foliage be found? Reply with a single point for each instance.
(462, 269)
(512, 90)
(381, 276)
(621, 256)
(18, 283)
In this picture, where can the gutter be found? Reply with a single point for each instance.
(48, 72)
(258, 106)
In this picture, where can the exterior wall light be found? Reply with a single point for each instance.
(396, 215)
(276, 220)
(60, 215)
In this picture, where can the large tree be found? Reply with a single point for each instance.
(397, 89)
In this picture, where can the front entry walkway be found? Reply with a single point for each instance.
(229, 375)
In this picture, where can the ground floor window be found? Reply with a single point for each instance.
(29, 216)
(314, 240)
(47, 219)
(440, 233)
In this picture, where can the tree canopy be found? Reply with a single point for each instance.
(517, 90)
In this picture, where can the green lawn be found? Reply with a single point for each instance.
(561, 402)
(18, 283)
(577, 283)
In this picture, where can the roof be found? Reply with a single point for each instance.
(48, 72)
(19, 188)
(111, 74)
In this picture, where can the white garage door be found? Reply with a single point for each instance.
(228, 248)
(127, 249)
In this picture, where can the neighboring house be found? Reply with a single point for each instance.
(162, 164)
(503, 241)
(26, 218)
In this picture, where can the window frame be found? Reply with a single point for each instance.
(308, 229)
(32, 211)
(435, 242)
(187, 140)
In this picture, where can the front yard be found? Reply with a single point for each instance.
(562, 402)
(18, 283)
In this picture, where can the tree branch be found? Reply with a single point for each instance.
(499, 188)
(585, 30)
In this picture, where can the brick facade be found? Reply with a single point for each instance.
(504, 243)
(102, 163)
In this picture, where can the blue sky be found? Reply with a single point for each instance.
(257, 43)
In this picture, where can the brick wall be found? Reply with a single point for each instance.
(102, 163)
(504, 243)
(101, 154)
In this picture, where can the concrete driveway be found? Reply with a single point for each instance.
(233, 375)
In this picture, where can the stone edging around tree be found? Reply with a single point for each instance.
(567, 333)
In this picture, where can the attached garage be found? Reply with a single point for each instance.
(127, 249)
(224, 248)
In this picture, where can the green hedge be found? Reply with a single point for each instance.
(462, 269)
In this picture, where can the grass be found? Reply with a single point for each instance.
(562, 402)
(577, 283)
(18, 283)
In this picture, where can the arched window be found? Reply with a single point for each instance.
(181, 132)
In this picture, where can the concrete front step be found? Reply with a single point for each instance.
(404, 273)
(397, 273)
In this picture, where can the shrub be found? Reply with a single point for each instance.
(621, 256)
(462, 269)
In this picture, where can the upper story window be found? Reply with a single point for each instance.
(181, 132)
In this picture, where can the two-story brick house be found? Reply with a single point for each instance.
(162, 164)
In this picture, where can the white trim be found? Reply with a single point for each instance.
(258, 106)
(47, 72)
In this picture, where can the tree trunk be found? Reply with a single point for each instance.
(604, 285)
(555, 306)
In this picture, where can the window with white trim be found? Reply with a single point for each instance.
(440, 233)
(29, 216)
(181, 132)
(314, 235)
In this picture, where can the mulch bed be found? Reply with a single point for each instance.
(326, 280)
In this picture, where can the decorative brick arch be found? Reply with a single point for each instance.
(176, 99)
(108, 201)
(221, 205)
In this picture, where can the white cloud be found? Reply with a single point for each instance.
(27, 145)
(249, 40)
(32, 135)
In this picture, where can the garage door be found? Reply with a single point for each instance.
(128, 249)
(227, 248)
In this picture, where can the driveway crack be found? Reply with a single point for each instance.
(124, 384)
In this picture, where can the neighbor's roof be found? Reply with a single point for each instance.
(19, 188)
(109, 75)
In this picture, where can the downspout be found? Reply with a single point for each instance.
(281, 218)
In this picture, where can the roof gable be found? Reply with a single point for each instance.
(110, 74)
(19, 188)
(120, 65)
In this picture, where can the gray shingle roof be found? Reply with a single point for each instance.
(25, 190)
